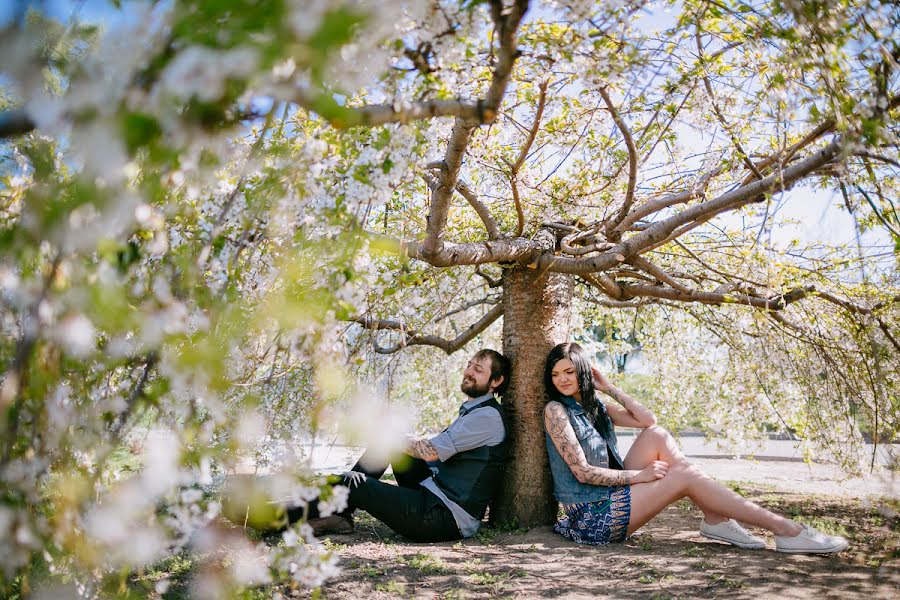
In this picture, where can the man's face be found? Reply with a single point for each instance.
(477, 378)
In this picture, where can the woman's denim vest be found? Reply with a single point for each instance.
(566, 488)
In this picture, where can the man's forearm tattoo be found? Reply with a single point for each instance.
(556, 421)
(421, 448)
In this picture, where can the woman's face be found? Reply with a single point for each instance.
(565, 378)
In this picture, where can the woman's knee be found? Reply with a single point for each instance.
(685, 471)
(659, 432)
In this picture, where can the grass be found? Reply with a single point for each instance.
(427, 564)
(732, 584)
(374, 572)
(176, 569)
(393, 588)
(692, 552)
(333, 546)
(487, 535)
(828, 525)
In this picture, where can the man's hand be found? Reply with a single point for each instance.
(353, 478)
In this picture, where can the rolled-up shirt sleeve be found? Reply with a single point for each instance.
(481, 427)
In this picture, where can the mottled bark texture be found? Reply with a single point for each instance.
(535, 318)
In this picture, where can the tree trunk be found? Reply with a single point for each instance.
(535, 318)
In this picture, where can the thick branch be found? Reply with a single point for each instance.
(462, 129)
(653, 206)
(506, 57)
(666, 293)
(605, 283)
(440, 197)
(472, 253)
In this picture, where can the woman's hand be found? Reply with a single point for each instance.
(655, 470)
(601, 383)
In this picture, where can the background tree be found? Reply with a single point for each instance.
(217, 212)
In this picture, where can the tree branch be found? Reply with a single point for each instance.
(648, 267)
(715, 106)
(489, 223)
(731, 200)
(491, 283)
(372, 115)
(514, 168)
(440, 197)
(774, 303)
(413, 338)
(605, 283)
(632, 162)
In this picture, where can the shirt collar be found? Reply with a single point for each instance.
(468, 404)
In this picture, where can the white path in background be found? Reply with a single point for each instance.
(779, 464)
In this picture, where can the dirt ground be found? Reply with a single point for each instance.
(667, 559)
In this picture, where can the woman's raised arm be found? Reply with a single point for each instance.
(629, 412)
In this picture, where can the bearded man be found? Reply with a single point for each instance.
(444, 483)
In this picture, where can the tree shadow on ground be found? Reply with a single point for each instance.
(668, 559)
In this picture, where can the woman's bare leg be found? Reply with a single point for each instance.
(655, 443)
(683, 479)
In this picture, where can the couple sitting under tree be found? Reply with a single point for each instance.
(446, 482)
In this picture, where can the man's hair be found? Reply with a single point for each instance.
(500, 367)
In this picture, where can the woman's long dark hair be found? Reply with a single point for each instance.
(579, 358)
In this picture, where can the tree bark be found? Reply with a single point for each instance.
(535, 318)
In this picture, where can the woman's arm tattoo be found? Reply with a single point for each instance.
(556, 420)
(617, 395)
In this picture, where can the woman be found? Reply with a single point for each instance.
(606, 498)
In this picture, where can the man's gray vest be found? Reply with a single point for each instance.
(472, 478)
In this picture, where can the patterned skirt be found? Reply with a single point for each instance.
(598, 523)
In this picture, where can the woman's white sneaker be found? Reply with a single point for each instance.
(810, 541)
(732, 533)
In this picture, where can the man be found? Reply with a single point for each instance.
(445, 483)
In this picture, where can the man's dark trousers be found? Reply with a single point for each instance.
(407, 508)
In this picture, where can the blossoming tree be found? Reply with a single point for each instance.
(216, 210)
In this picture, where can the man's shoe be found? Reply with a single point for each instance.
(810, 541)
(731, 532)
(331, 524)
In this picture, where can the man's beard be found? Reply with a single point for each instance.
(471, 389)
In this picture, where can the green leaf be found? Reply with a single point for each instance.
(139, 130)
